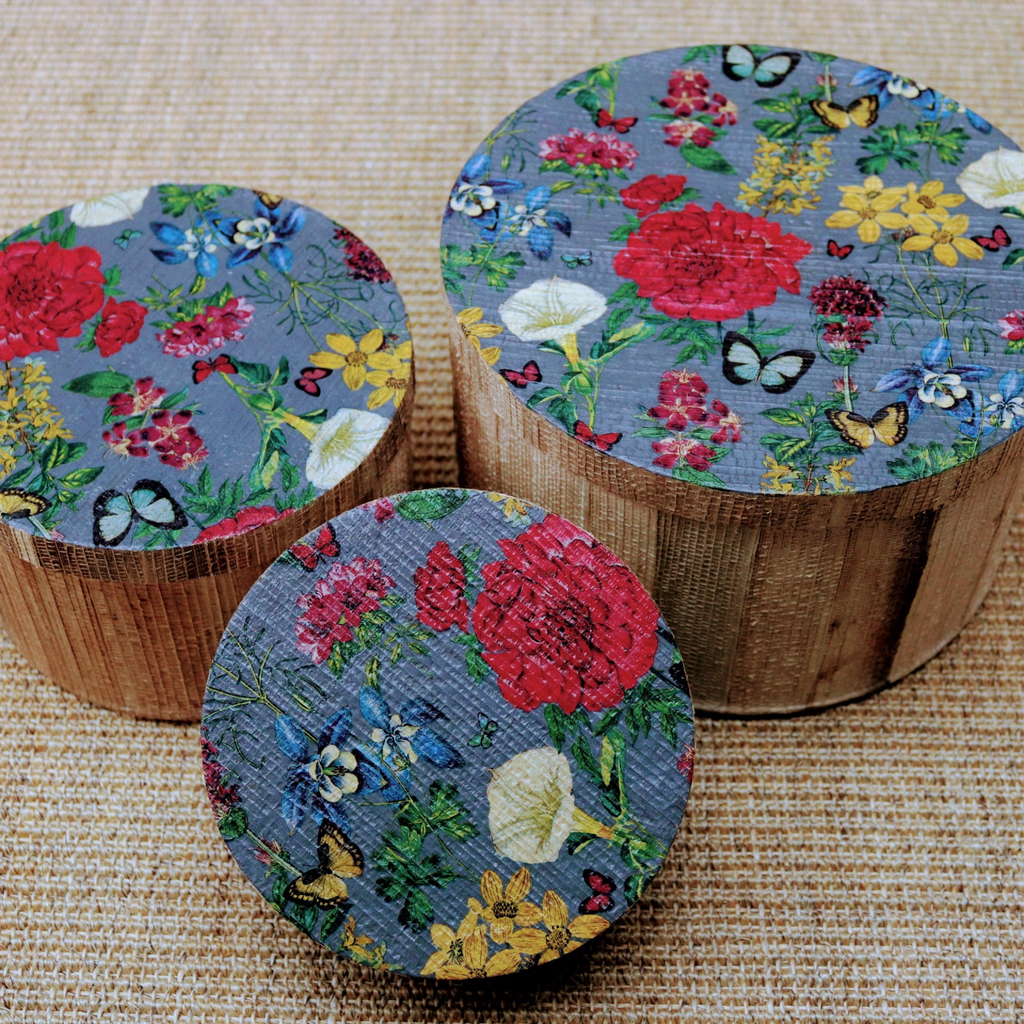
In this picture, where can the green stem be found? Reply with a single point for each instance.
(846, 388)
(828, 83)
(276, 858)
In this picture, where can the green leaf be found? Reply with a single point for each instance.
(564, 411)
(776, 104)
(445, 813)
(1014, 257)
(633, 888)
(588, 100)
(556, 720)
(427, 506)
(628, 292)
(1012, 211)
(103, 384)
(234, 823)
(704, 477)
(576, 841)
(950, 145)
(890, 142)
(704, 53)
(785, 417)
(705, 158)
(81, 477)
(544, 394)
(657, 432)
(585, 760)
(55, 454)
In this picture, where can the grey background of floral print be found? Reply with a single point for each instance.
(630, 382)
(228, 429)
(657, 791)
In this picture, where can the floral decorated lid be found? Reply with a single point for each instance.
(748, 267)
(448, 734)
(181, 363)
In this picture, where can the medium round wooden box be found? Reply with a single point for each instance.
(192, 378)
(754, 317)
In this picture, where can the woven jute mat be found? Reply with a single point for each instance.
(864, 864)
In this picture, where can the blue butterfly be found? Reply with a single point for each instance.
(574, 260)
(126, 237)
(488, 727)
(740, 63)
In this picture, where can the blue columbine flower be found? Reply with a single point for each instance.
(197, 243)
(531, 220)
(473, 194)
(264, 232)
(402, 739)
(318, 780)
(1005, 407)
(885, 85)
(932, 105)
(934, 382)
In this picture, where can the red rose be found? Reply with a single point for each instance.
(647, 195)
(246, 520)
(46, 293)
(334, 609)
(711, 264)
(563, 621)
(441, 590)
(121, 325)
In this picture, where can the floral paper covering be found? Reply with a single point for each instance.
(448, 734)
(749, 267)
(181, 363)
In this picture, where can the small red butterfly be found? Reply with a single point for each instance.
(202, 369)
(603, 887)
(620, 124)
(839, 251)
(530, 374)
(307, 380)
(325, 546)
(998, 240)
(602, 442)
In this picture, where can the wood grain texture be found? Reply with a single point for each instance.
(782, 603)
(135, 631)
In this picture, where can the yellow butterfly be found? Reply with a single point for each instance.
(324, 885)
(270, 200)
(863, 112)
(18, 504)
(888, 425)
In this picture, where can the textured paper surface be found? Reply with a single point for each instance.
(863, 864)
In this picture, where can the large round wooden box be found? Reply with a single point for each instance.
(192, 377)
(755, 317)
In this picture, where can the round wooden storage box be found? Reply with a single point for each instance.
(192, 377)
(448, 734)
(755, 317)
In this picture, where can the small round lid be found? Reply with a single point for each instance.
(448, 734)
(181, 363)
(750, 267)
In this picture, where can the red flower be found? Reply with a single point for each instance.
(699, 134)
(728, 423)
(175, 440)
(563, 621)
(672, 449)
(142, 397)
(441, 590)
(361, 260)
(120, 325)
(680, 399)
(711, 264)
(383, 510)
(46, 293)
(846, 296)
(726, 112)
(222, 797)
(647, 195)
(247, 519)
(687, 91)
(207, 331)
(126, 442)
(1012, 325)
(579, 147)
(334, 609)
(848, 334)
(685, 763)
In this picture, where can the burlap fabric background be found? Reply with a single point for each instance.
(864, 864)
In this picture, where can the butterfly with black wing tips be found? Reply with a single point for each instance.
(999, 239)
(324, 547)
(621, 124)
(602, 442)
(743, 364)
(338, 858)
(115, 513)
(600, 901)
(309, 377)
(888, 425)
(740, 63)
(840, 252)
(862, 112)
(18, 504)
(530, 374)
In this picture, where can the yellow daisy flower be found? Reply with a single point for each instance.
(389, 375)
(347, 356)
(945, 240)
(930, 200)
(450, 945)
(867, 208)
(562, 936)
(474, 328)
(505, 907)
